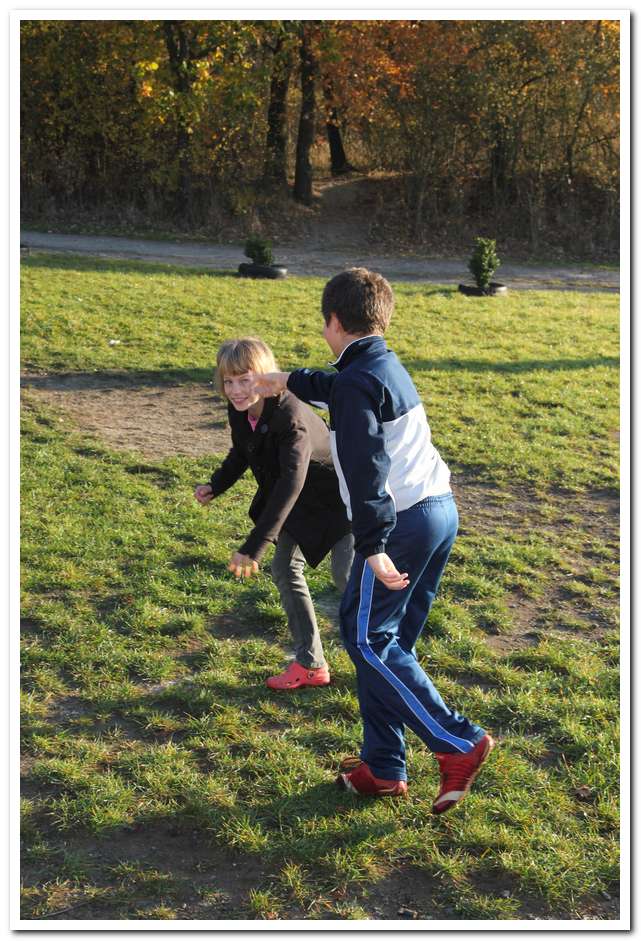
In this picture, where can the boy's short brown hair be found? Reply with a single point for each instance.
(246, 354)
(362, 300)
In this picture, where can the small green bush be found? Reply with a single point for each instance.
(484, 262)
(259, 250)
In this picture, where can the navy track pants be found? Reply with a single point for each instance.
(379, 629)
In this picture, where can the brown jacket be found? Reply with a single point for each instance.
(290, 457)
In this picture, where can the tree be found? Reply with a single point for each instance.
(305, 139)
(282, 49)
(338, 157)
(509, 124)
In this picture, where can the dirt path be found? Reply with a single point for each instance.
(129, 414)
(312, 258)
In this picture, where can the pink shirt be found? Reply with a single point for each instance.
(252, 421)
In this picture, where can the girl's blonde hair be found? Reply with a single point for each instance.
(247, 354)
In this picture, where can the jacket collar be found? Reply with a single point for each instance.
(373, 341)
(269, 407)
(240, 418)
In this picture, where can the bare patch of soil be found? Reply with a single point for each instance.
(205, 881)
(414, 894)
(157, 420)
(486, 507)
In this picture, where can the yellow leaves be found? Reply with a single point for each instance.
(146, 90)
(146, 66)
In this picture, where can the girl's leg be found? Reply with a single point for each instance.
(287, 571)
(342, 558)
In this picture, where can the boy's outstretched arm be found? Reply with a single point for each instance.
(270, 383)
(309, 385)
(313, 386)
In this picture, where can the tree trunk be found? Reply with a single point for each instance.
(177, 43)
(587, 98)
(500, 159)
(183, 196)
(303, 176)
(275, 172)
(338, 157)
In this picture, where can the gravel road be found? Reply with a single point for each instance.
(322, 263)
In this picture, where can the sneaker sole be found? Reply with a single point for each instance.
(343, 781)
(489, 745)
(290, 689)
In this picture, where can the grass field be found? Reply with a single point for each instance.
(161, 779)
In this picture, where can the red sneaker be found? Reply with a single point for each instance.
(458, 772)
(296, 675)
(355, 776)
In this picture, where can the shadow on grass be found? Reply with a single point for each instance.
(80, 262)
(519, 366)
(193, 697)
(107, 380)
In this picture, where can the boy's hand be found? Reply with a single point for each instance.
(203, 494)
(270, 383)
(385, 570)
(243, 566)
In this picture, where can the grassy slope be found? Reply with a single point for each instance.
(141, 707)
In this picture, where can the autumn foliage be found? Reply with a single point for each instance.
(508, 123)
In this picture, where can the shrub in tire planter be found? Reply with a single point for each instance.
(483, 263)
(260, 251)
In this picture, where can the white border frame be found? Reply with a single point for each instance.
(336, 11)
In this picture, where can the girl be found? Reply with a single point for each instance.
(297, 505)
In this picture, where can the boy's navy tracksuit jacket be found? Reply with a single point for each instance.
(380, 438)
(386, 464)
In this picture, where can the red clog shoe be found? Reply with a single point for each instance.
(296, 676)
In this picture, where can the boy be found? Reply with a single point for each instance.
(404, 519)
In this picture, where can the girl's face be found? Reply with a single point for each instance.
(238, 390)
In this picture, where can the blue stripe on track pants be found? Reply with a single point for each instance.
(379, 629)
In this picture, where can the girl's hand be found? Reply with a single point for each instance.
(243, 566)
(385, 570)
(203, 494)
(269, 383)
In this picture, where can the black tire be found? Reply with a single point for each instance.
(471, 290)
(273, 272)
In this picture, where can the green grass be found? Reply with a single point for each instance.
(162, 779)
(518, 389)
